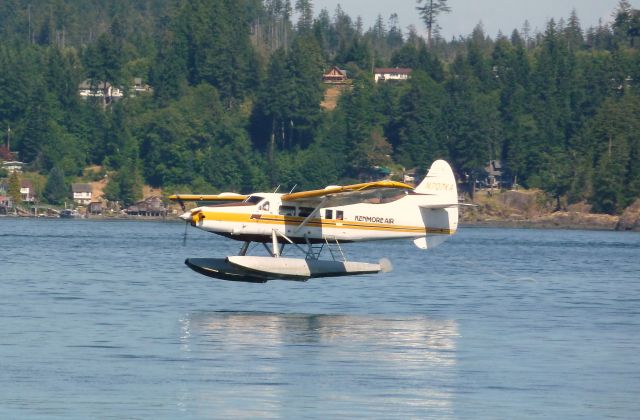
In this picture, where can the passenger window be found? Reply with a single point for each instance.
(339, 215)
(328, 214)
(265, 206)
(305, 211)
(287, 210)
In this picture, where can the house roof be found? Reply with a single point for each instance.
(334, 70)
(153, 203)
(86, 85)
(81, 188)
(10, 163)
(395, 70)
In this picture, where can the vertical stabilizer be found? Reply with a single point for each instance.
(439, 182)
(439, 205)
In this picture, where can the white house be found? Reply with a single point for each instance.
(13, 166)
(27, 192)
(140, 86)
(86, 89)
(81, 194)
(391, 74)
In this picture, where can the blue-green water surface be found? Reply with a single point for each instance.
(101, 319)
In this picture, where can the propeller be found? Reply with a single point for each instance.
(184, 237)
(186, 216)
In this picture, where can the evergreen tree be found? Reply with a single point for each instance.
(305, 10)
(272, 109)
(103, 62)
(56, 189)
(16, 76)
(395, 38)
(36, 133)
(573, 32)
(362, 131)
(14, 189)
(129, 184)
(421, 130)
(611, 143)
(555, 174)
(607, 192)
(473, 121)
(429, 13)
(288, 110)
(214, 40)
(623, 23)
(168, 75)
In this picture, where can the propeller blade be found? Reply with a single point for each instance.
(184, 238)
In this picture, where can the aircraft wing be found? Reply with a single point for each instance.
(208, 197)
(348, 194)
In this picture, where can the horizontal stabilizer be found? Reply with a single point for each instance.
(446, 205)
(438, 205)
(421, 242)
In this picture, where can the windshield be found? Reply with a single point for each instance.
(254, 199)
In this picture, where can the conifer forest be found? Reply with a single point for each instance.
(225, 95)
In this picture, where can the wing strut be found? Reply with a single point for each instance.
(312, 215)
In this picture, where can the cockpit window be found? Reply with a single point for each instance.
(254, 199)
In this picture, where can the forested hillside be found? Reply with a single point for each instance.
(235, 93)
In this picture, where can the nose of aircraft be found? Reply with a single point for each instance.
(187, 217)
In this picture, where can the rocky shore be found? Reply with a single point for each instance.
(533, 209)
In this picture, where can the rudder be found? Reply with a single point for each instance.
(439, 207)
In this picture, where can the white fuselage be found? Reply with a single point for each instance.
(260, 215)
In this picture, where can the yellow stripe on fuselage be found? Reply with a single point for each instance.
(275, 219)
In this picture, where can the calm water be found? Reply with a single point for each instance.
(103, 320)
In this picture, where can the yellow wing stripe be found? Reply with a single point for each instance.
(347, 188)
(322, 223)
(207, 197)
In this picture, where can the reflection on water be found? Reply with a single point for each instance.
(266, 364)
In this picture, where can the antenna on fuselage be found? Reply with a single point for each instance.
(277, 188)
(294, 187)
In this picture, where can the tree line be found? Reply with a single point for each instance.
(236, 94)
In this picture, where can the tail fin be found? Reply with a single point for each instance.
(439, 182)
(439, 207)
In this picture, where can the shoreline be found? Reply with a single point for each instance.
(557, 220)
(512, 224)
(533, 209)
(99, 218)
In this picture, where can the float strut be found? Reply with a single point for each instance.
(274, 239)
(245, 247)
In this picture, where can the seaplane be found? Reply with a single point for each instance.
(317, 222)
